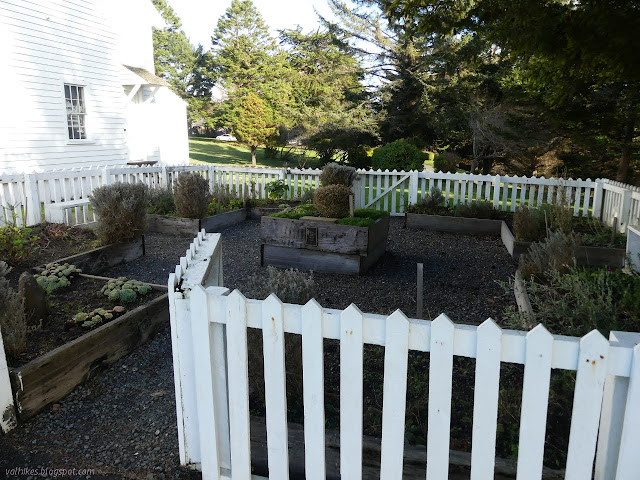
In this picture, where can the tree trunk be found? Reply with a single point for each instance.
(254, 149)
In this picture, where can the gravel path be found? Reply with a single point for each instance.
(122, 422)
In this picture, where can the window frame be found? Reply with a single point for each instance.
(79, 115)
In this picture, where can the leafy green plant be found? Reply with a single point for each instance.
(161, 201)
(307, 195)
(121, 209)
(17, 243)
(582, 299)
(124, 290)
(56, 276)
(398, 155)
(303, 210)
(12, 319)
(192, 196)
(224, 198)
(276, 189)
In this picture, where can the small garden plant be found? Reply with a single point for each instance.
(122, 290)
(17, 243)
(192, 196)
(121, 209)
(96, 317)
(224, 199)
(56, 276)
(276, 189)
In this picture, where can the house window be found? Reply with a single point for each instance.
(76, 111)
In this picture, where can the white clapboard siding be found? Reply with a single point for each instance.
(218, 354)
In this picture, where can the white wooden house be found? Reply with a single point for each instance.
(79, 89)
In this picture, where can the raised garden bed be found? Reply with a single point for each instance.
(312, 243)
(191, 226)
(585, 255)
(59, 356)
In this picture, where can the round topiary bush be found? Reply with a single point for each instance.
(337, 174)
(332, 201)
(191, 195)
(398, 155)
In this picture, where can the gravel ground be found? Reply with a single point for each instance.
(122, 422)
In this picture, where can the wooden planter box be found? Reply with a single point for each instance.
(321, 246)
(191, 226)
(585, 255)
(102, 258)
(50, 377)
(460, 225)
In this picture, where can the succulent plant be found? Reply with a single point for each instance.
(56, 276)
(125, 291)
(95, 317)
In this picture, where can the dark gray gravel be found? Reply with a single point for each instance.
(122, 422)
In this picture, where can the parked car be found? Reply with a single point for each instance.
(226, 137)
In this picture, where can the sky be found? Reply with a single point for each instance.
(199, 18)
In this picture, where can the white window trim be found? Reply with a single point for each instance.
(88, 104)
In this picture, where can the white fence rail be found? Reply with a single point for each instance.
(33, 197)
(209, 332)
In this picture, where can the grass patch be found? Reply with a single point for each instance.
(210, 150)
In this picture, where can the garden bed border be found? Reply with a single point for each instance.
(51, 376)
(585, 255)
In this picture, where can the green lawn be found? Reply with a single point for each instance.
(209, 150)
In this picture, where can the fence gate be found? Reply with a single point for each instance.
(386, 190)
(217, 433)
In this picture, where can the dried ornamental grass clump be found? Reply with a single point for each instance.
(121, 209)
(12, 319)
(192, 195)
(556, 252)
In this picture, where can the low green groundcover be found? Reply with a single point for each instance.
(362, 217)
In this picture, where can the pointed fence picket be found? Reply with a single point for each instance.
(393, 191)
(212, 367)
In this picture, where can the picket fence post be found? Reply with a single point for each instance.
(8, 419)
(496, 191)
(625, 210)
(106, 176)
(32, 200)
(612, 417)
(413, 187)
(598, 198)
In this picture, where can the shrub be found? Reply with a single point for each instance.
(528, 224)
(276, 189)
(337, 174)
(160, 201)
(332, 201)
(12, 319)
(476, 210)
(432, 204)
(556, 252)
(307, 195)
(121, 209)
(192, 195)
(446, 162)
(360, 156)
(290, 285)
(224, 198)
(576, 302)
(398, 155)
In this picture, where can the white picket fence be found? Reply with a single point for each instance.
(62, 195)
(209, 334)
